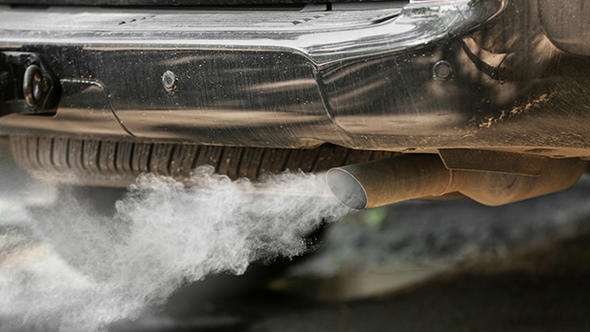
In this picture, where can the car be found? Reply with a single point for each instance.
(398, 100)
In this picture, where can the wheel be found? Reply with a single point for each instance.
(103, 162)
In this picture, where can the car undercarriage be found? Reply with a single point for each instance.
(495, 90)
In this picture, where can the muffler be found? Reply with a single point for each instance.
(415, 176)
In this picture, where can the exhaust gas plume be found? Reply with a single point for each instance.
(81, 270)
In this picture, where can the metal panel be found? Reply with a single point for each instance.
(175, 3)
(448, 74)
(567, 24)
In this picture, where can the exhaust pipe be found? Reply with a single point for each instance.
(414, 176)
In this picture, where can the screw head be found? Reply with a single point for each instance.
(169, 81)
(442, 70)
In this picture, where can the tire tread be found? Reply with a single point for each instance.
(118, 163)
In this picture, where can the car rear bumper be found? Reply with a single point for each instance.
(389, 76)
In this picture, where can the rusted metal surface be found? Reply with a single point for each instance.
(493, 161)
(407, 177)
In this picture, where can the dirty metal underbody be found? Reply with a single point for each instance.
(420, 77)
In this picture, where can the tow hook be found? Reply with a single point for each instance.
(26, 84)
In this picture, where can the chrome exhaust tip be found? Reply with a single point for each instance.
(347, 188)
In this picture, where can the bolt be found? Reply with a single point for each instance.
(169, 81)
(442, 70)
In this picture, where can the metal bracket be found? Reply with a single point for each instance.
(26, 84)
(492, 161)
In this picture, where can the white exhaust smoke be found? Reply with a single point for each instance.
(162, 235)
